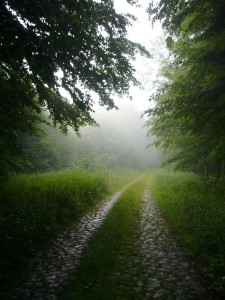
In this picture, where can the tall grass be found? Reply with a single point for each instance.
(118, 178)
(196, 211)
(33, 208)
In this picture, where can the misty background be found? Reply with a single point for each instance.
(121, 138)
(119, 141)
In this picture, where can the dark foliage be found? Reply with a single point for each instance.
(84, 41)
(189, 115)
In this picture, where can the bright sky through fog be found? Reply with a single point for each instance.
(143, 33)
(147, 69)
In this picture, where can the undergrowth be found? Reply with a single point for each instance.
(102, 271)
(196, 211)
(33, 208)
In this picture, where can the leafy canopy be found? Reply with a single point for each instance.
(80, 46)
(85, 40)
(189, 115)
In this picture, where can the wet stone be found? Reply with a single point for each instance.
(159, 271)
(166, 271)
(49, 270)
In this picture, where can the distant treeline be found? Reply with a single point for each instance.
(120, 141)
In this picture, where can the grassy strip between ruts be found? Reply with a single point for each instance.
(35, 207)
(102, 271)
(196, 211)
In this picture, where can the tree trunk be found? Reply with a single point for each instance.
(222, 167)
(206, 171)
(221, 170)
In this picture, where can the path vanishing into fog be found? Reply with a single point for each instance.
(161, 270)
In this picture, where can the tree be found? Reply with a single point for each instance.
(190, 109)
(84, 41)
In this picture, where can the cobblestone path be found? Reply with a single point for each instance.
(162, 270)
(52, 266)
(159, 271)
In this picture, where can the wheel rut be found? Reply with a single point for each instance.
(48, 272)
(161, 269)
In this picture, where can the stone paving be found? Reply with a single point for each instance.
(160, 270)
(51, 267)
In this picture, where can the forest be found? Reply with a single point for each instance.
(77, 146)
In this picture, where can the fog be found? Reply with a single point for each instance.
(119, 141)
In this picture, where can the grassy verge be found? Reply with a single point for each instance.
(104, 265)
(196, 211)
(33, 208)
(118, 179)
